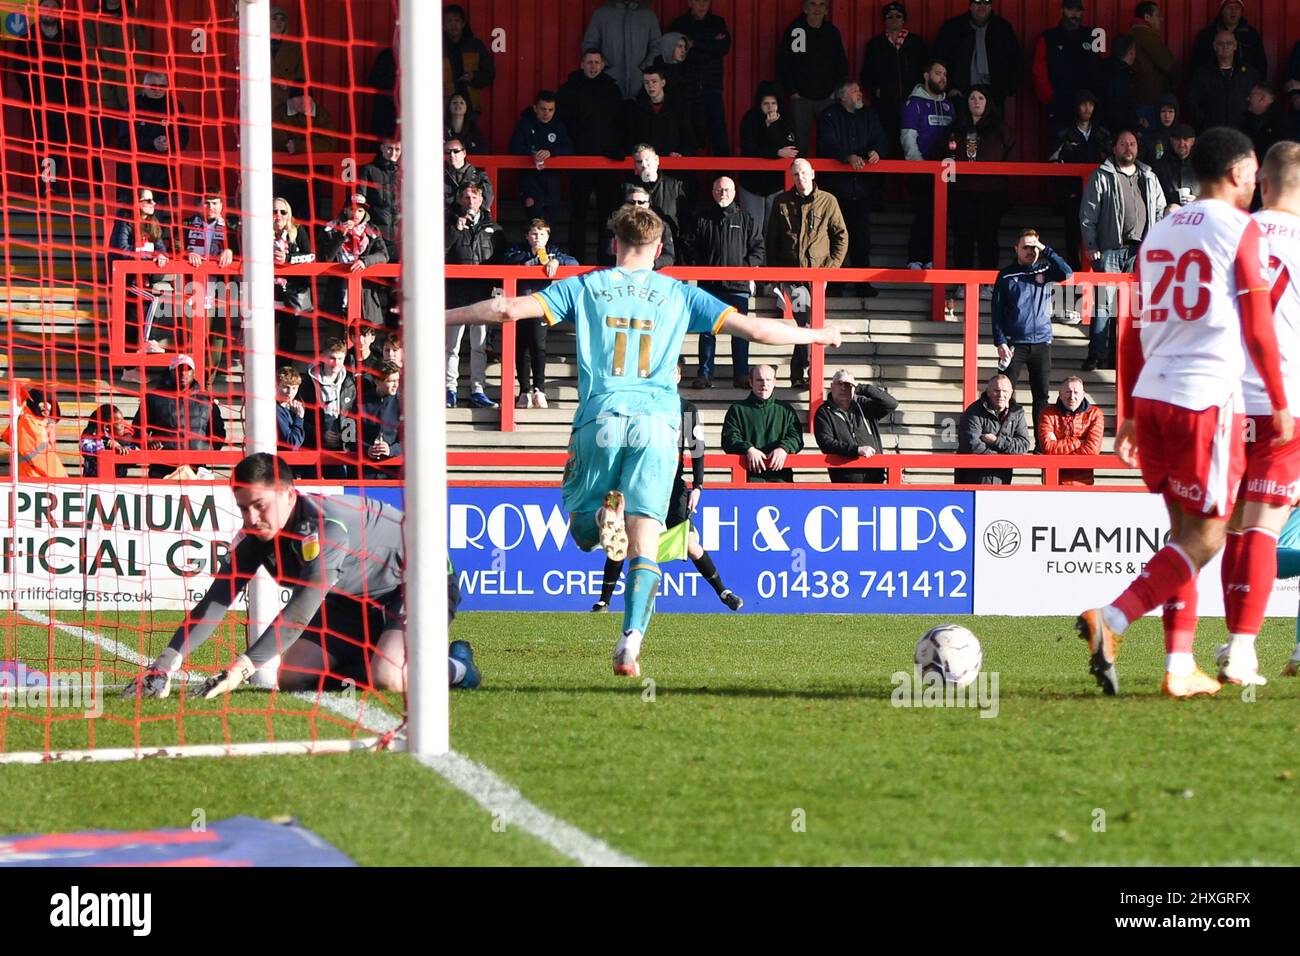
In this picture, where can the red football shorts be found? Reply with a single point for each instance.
(1272, 471)
(1193, 458)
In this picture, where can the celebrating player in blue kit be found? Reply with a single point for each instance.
(623, 453)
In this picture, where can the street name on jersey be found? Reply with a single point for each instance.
(645, 293)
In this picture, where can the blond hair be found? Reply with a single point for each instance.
(637, 226)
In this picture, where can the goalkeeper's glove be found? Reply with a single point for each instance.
(229, 679)
(156, 681)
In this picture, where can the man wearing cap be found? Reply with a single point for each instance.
(1083, 141)
(179, 414)
(891, 66)
(980, 47)
(1250, 45)
(1174, 169)
(1066, 59)
(353, 240)
(847, 424)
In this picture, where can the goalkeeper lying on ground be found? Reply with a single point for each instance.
(343, 557)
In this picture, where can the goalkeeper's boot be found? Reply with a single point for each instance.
(1196, 684)
(1240, 668)
(613, 532)
(626, 653)
(1103, 643)
(463, 654)
(1292, 667)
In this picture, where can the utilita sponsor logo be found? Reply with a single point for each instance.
(76, 909)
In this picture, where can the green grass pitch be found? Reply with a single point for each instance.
(762, 741)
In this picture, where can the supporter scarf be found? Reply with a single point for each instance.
(897, 40)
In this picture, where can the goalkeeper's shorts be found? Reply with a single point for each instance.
(348, 630)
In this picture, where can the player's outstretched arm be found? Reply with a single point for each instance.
(774, 332)
(496, 311)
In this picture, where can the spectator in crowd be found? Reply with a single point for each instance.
(457, 173)
(926, 117)
(978, 135)
(1021, 314)
(848, 424)
(634, 195)
(1116, 82)
(850, 131)
(810, 63)
(473, 238)
(179, 415)
(353, 240)
(36, 430)
(1066, 60)
(1072, 426)
(892, 65)
(1083, 142)
(462, 124)
(392, 350)
(1265, 122)
(670, 55)
(1219, 92)
(329, 398)
(287, 70)
(467, 65)
(290, 412)
(591, 108)
(292, 293)
(300, 125)
(1232, 19)
(1154, 141)
(107, 430)
(540, 135)
(667, 193)
(1121, 202)
(530, 334)
(707, 41)
(364, 359)
(805, 230)
(656, 118)
(381, 184)
(382, 79)
(112, 51)
(993, 424)
(48, 68)
(1157, 70)
(682, 504)
(158, 131)
(140, 236)
(766, 132)
(626, 33)
(763, 429)
(1174, 170)
(381, 425)
(981, 47)
(214, 239)
(724, 235)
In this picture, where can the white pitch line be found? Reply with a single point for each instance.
(476, 781)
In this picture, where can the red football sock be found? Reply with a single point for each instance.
(1245, 598)
(1231, 551)
(1180, 619)
(1162, 578)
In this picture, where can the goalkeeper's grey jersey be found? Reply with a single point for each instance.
(342, 545)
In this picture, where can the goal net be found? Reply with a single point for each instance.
(129, 388)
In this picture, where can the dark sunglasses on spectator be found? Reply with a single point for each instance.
(639, 202)
(450, 151)
(280, 212)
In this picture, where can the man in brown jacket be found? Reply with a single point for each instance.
(806, 229)
(1158, 70)
(1073, 426)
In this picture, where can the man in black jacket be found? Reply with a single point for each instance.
(1116, 79)
(892, 65)
(810, 60)
(725, 235)
(179, 414)
(380, 184)
(381, 424)
(847, 424)
(707, 42)
(1174, 169)
(1066, 59)
(667, 193)
(591, 108)
(1232, 18)
(1219, 92)
(993, 424)
(981, 47)
(656, 118)
(473, 238)
(541, 135)
(850, 131)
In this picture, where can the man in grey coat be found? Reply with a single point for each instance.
(993, 424)
(1122, 201)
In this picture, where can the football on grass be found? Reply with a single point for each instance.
(952, 652)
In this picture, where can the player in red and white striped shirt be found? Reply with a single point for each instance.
(1203, 277)
(1272, 482)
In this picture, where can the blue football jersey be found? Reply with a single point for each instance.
(629, 326)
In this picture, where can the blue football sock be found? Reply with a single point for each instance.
(639, 595)
(584, 530)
